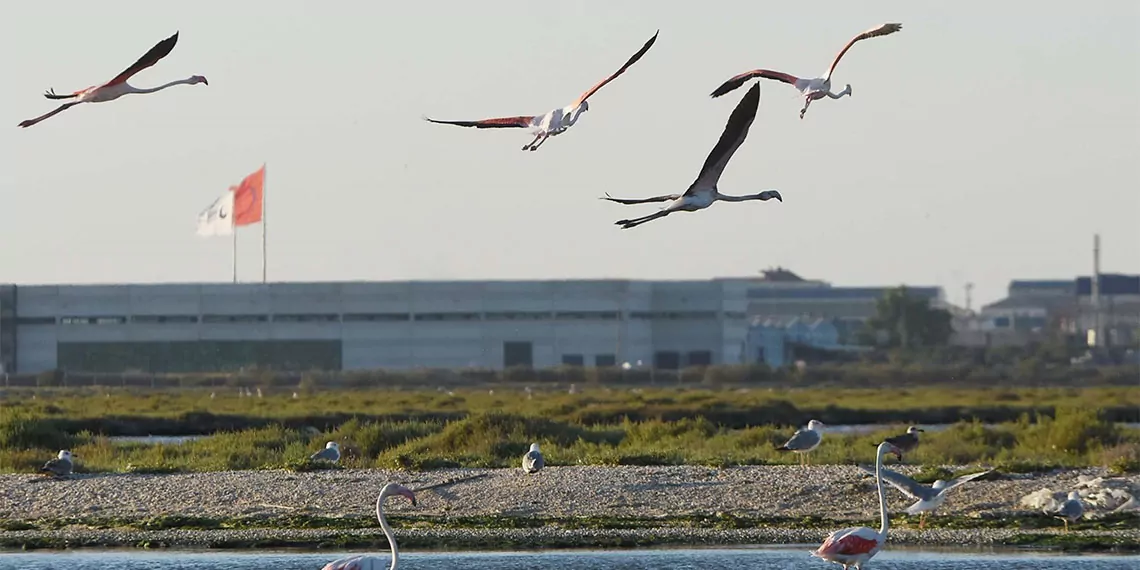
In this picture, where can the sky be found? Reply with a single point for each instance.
(986, 141)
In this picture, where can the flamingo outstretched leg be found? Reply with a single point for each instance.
(530, 144)
(541, 140)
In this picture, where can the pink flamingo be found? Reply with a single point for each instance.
(375, 562)
(118, 86)
(554, 122)
(814, 88)
(853, 547)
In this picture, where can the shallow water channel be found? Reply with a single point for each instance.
(657, 559)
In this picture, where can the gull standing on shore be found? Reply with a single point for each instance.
(906, 442)
(331, 452)
(929, 497)
(804, 440)
(61, 466)
(1070, 511)
(533, 462)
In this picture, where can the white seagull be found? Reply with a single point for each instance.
(1070, 511)
(61, 466)
(929, 497)
(813, 88)
(806, 439)
(703, 192)
(331, 452)
(533, 462)
(118, 86)
(553, 122)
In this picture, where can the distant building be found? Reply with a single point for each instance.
(783, 295)
(1032, 309)
(414, 324)
(779, 343)
(354, 325)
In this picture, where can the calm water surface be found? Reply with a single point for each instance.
(757, 558)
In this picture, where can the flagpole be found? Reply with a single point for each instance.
(233, 230)
(264, 220)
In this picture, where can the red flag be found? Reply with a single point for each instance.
(249, 198)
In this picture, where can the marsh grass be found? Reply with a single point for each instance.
(1075, 438)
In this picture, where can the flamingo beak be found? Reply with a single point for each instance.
(411, 497)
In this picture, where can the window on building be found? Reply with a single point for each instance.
(369, 317)
(573, 360)
(35, 321)
(516, 353)
(700, 358)
(306, 318)
(667, 360)
(605, 360)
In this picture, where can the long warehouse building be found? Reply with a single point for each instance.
(402, 325)
(370, 325)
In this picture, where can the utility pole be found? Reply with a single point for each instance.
(1098, 337)
(969, 296)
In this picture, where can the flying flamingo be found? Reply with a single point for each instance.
(853, 547)
(814, 88)
(554, 122)
(118, 86)
(375, 562)
(703, 192)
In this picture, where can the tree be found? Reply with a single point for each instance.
(904, 321)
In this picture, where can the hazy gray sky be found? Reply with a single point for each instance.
(984, 142)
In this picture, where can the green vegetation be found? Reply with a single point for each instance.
(419, 430)
(904, 321)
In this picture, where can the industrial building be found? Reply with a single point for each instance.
(402, 325)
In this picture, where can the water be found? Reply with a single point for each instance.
(663, 559)
(155, 439)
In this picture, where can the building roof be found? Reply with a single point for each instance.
(1039, 286)
(1110, 284)
(838, 292)
(780, 274)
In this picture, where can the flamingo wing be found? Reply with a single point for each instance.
(850, 542)
(882, 30)
(631, 61)
(499, 123)
(357, 563)
(663, 198)
(737, 81)
(159, 51)
(735, 131)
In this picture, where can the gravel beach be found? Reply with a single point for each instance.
(843, 494)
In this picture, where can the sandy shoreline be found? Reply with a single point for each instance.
(842, 495)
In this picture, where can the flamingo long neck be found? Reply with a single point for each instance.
(387, 531)
(574, 116)
(745, 198)
(163, 86)
(882, 495)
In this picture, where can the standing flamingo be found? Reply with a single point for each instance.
(814, 88)
(554, 122)
(853, 547)
(703, 192)
(375, 562)
(118, 86)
